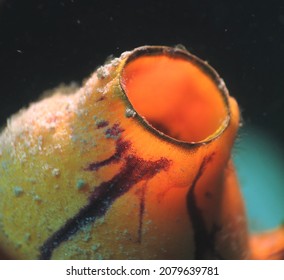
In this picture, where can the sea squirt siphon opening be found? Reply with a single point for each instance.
(176, 93)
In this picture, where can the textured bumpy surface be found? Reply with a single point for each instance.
(85, 176)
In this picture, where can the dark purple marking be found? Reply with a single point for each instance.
(121, 148)
(134, 170)
(141, 212)
(160, 126)
(101, 99)
(279, 255)
(114, 131)
(208, 195)
(101, 124)
(204, 240)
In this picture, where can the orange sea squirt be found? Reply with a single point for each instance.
(135, 164)
(175, 96)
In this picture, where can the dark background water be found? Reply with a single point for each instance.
(44, 43)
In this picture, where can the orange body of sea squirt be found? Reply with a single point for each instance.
(135, 164)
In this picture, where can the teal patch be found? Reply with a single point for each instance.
(18, 191)
(80, 184)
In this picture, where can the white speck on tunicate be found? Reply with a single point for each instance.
(22, 157)
(180, 47)
(33, 151)
(45, 166)
(39, 142)
(82, 99)
(57, 147)
(36, 197)
(124, 54)
(100, 90)
(81, 112)
(221, 85)
(27, 143)
(55, 172)
(130, 113)
(88, 90)
(115, 62)
(102, 72)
